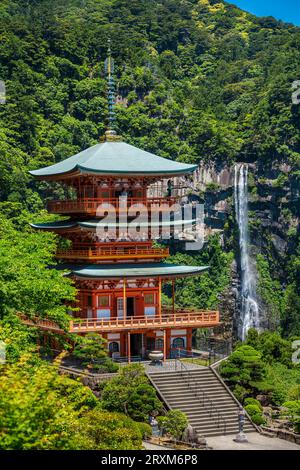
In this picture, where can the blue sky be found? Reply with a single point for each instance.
(286, 10)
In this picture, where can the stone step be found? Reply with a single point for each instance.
(180, 386)
(189, 392)
(191, 400)
(175, 389)
(199, 409)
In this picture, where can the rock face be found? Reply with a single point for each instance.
(274, 213)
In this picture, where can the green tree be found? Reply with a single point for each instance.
(43, 410)
(131, 393)
(243, 370)
(174, 423)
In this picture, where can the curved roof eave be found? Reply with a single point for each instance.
(136, 271)
(85, 170)
(114, 158)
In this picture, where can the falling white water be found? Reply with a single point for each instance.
(249, 315)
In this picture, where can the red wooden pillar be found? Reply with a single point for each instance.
(159, 297)
(128, 347)
(124, 299)
(189, 339)
(165, 345)
(168, 340)
(94, 304)
(173, 296)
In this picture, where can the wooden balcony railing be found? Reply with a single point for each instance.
(90, 205)
(98, 254)
(200, 319)
(180, 320)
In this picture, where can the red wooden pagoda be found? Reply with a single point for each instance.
(118, 271)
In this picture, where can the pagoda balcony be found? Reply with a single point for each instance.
(167, 319)
(113, 253)
(90, 206)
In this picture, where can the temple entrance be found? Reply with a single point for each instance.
(130, 306)
(136, 344)
(150, 344)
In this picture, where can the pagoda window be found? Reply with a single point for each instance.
(103, 301)
(103, 310)
(149, 299)
(159, 343)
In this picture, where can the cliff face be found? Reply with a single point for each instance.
(274, 214)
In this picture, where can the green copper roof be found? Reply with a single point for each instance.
(63, 224)
(94, 224)
(117, 271)
(115, 158)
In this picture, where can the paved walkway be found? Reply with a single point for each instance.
(256, 442)
(170, 366)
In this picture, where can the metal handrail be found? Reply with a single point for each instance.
(205, 398)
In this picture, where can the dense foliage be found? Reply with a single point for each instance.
(26, 282)
(197, 80)
(263, 366)
(174, 423)
(42, 410)
(91, 351)
(131, 393)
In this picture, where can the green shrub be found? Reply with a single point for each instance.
(243, 368)
(108, 430)
(173, 423)
(258, 419)
(252, 409)
(145, 429)
(252, 401)
(294, 393)
(293, 412)
(240, 392)
(255, 413)
(107, 365)
(131, 393)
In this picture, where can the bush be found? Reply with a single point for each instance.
(130, 392)
(253, 401)
(106, 365)
(293, 412)
(240, 392)
(173, 423)
(145, 429)
(255, 413)
(90, 349)
(244, 368)
(258, 419)
(294, 393)
(107, 430)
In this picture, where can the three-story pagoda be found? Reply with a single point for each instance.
(116, 267)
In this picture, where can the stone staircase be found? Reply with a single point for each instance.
(201, 395)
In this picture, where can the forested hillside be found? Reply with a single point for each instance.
(198, 81)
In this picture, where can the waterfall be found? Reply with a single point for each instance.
(249, 314)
